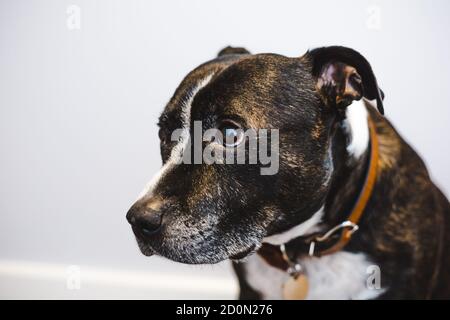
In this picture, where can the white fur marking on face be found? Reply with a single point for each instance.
(309, 226)
(342, 275)
(357, 127)
(151, 185)
(177, 151)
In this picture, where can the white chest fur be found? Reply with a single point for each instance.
(341, 275)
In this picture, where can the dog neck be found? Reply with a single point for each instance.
(350, 156)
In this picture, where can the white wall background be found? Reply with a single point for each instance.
(78, 112)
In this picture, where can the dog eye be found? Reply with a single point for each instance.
(232, 135)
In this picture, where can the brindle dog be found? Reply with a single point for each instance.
(319, 102)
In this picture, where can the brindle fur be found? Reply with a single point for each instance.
(215, 212)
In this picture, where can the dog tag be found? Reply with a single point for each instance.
(296, 288)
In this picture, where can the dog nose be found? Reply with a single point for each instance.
(144, 219)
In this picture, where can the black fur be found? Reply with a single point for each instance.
(214, 212)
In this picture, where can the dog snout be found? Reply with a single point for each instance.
(146, 218)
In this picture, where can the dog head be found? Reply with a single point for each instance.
(208, 212)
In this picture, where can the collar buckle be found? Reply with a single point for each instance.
(294, 269)
(346, 224)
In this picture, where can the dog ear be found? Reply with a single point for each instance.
(232, 50)
(344, 75)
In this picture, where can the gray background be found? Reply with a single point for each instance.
(78, 110)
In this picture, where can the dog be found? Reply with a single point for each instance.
(351, 212)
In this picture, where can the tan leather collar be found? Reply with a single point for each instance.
(319, 244)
